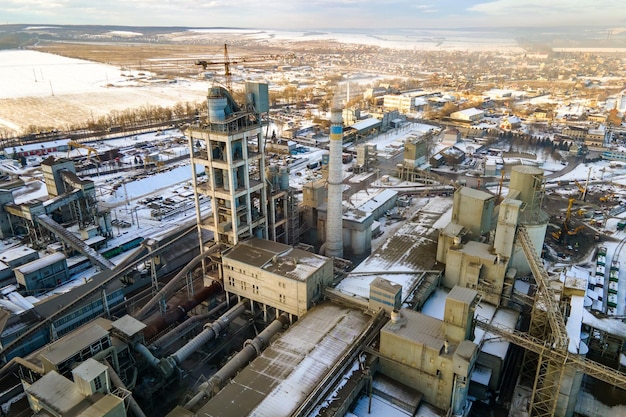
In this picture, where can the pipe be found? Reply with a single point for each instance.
(104, 353)
(251, 349)
(166, 366)
(147, 355)
(210, 332)
(157, 324)
(185, 327)
(117, 382)
(169, 287)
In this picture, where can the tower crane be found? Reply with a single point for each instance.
(227, 61)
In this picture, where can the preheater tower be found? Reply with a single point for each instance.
(334, 224)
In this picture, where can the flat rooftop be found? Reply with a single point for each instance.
(278, 381)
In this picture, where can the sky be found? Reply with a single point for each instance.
(318, 14)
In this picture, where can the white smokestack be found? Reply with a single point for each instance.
(334, 224)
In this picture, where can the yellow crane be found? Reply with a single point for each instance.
(77, 145)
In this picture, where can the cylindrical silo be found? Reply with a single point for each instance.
(284, 178)
(334, 225)
(216, 104)
(528, 180)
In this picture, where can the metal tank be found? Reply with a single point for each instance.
(216, 104)
(284, 178)
(528, 180)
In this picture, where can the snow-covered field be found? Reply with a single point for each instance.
(58, 91)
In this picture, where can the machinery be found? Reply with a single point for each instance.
(565, 230)
(76, 145)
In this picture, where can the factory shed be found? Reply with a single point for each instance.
(43, 274)
(278, 381)
(365, 126)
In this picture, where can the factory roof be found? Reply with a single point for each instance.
(407, 252)
(386, 285)
(477, 194)
(40, 146)
(89, 369)
(128, 325)
(276, 258)
(64, 397)
(452, 229)
(370, 123)
(418, 328)
(280, 379)
(40, 263)
(52, 304)
(57, 392)
(66, 347)
(16, 253)
(469, 112)
(462, 294)
(479, 250)
(378, 200)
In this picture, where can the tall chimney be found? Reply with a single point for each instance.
(334, 223)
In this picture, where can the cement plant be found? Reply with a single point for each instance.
(440, 236)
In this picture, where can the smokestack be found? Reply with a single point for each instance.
(334, 224)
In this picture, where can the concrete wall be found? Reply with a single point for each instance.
(288, 295)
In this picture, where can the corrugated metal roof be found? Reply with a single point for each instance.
(277, 381)
(66, 347)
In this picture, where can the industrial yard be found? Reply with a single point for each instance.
(257, 258)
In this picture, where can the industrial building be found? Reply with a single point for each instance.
(278, 323)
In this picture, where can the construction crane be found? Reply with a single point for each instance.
(583, 190)
(227, 61)
(565, 227)
(77, 145)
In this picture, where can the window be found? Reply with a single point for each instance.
(281, 284)
(243, 286)
(98, 383)
(255, 289)
(282, 298)
(231, 281)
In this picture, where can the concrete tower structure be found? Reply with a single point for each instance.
(231, 152)
(527, 185)
(334, 225)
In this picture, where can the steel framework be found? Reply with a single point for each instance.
(546, 343)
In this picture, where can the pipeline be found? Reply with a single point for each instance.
(117, 382)
(167, 365)
(186, 326)
(251, 349)
(157, 324)
(169, 287)
(210, 332)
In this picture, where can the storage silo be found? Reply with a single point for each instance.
(527, 185)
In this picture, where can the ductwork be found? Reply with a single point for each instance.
(186, 327)
(117, 382)
(251, 349)
(167, 365)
